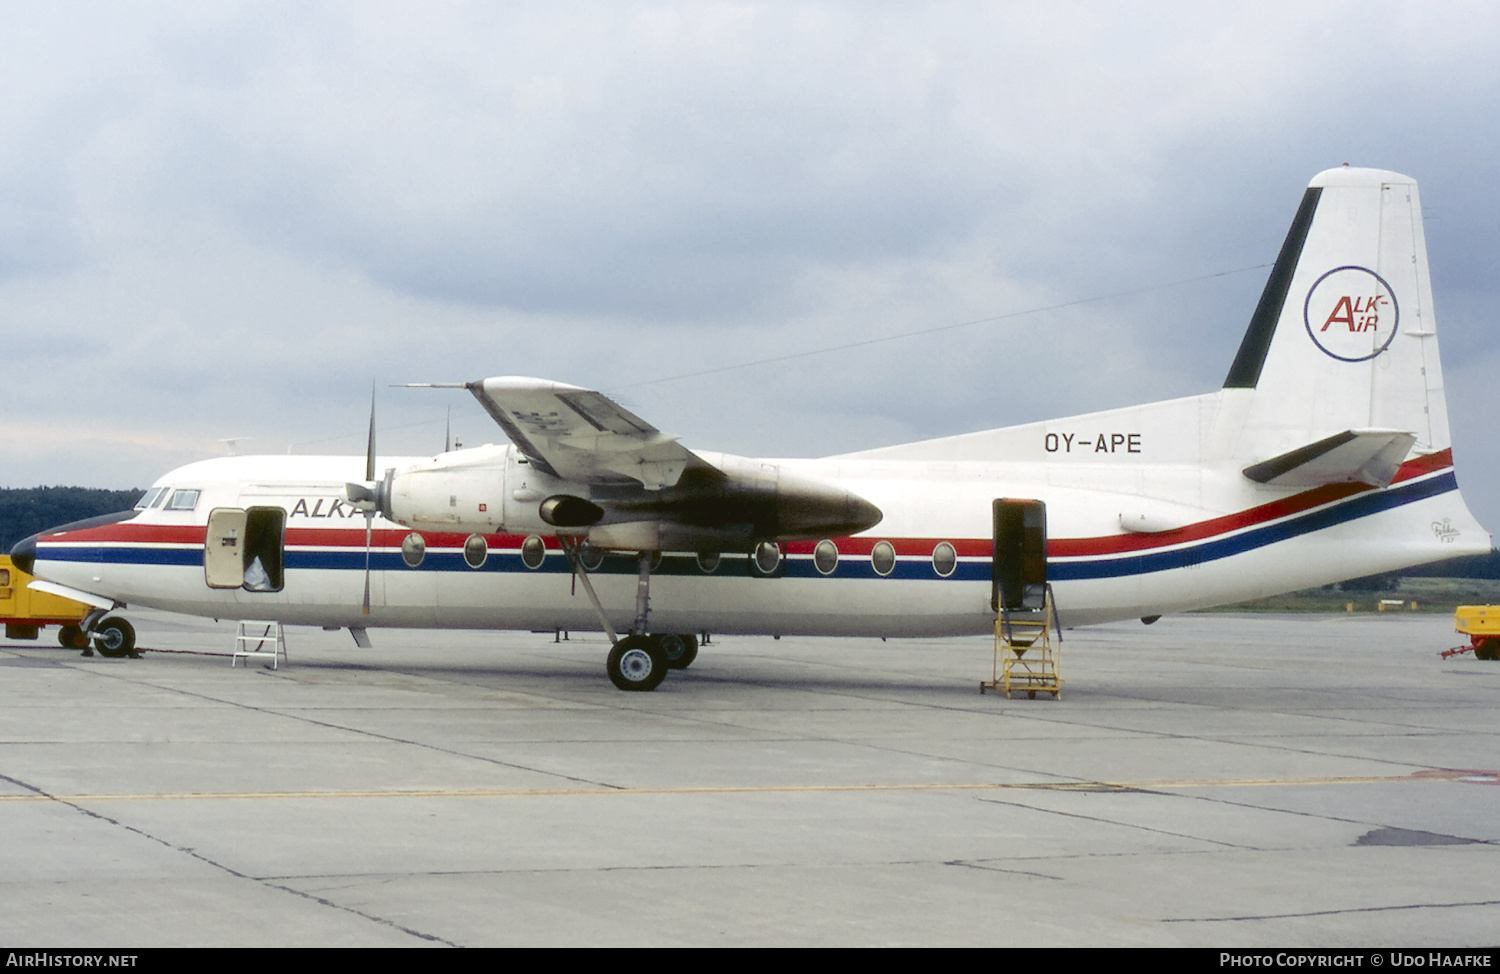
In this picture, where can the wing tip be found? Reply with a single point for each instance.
(523, 383)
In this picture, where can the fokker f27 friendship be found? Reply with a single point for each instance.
(1325, 456)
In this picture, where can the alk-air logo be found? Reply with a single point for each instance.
(1351, 313)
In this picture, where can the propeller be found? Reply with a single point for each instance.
(369, 515)
(365, 497)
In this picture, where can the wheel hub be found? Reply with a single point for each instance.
(636, 665)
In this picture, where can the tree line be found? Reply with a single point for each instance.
(27, 510)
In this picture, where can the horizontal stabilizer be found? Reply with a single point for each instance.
(1353, 456)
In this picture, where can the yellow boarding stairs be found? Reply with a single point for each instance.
(1025, 658)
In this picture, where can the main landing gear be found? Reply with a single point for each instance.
(680, 650)
(640, 660)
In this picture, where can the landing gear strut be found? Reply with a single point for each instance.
(640, 660)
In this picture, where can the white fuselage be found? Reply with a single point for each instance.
(1324, 456)
(1204, 535)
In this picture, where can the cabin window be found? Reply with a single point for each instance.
(476, 551)
(183, 500)
(149, 499)
(708, 562)
(883, 558)
(533, 552)
(590, 557)
(413, 549)
(826, 557)
(4, 576)
(767, 557)
(944, 559)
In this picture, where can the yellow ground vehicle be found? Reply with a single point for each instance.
(1481, 623)
(26, 612)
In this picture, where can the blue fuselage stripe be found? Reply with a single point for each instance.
(732, 565)
(1359, 506)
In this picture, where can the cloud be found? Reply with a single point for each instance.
(225, 220)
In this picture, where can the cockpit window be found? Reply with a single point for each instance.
(150, 499)
(183, 500)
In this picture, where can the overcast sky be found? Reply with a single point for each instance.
(225, 220)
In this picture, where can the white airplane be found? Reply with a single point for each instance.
(1325, 456)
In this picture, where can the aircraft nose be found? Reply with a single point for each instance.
(23, 554)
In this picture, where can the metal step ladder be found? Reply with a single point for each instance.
(251, 639)
(1025, 657)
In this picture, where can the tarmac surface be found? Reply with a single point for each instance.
(1212, 780)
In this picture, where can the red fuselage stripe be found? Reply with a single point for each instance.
(353, 535)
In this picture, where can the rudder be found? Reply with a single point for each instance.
(1343, 337)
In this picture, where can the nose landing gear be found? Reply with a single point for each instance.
(112, 636)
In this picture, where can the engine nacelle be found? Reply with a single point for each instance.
(459, 491)
(725, 503)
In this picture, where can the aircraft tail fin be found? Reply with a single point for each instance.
(1342, 343)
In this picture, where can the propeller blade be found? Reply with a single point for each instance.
(369, 477)
(369, 520)
(370, 449)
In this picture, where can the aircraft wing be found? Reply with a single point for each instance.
(579, 434)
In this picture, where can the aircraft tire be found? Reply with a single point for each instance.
(637, 663)
(1487, 649)
(114, 638)
(72, 637)
(680, 650)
